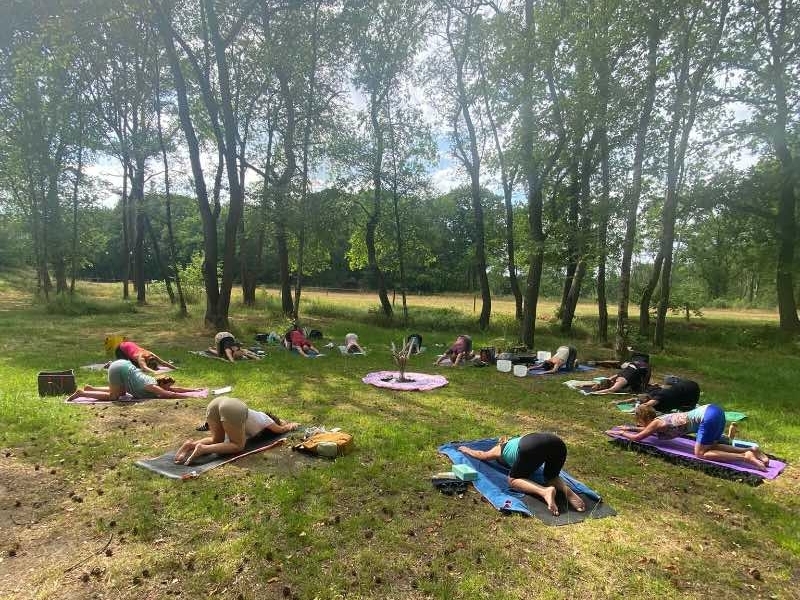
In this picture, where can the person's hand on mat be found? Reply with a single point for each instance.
(199, 450)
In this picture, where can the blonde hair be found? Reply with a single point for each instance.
(644, 414)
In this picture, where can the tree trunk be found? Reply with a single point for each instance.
(632, 199)
(126, 236)
(208, 217)
(374, 216)
(75, 189)
(167, 196)
(161, 266)
(647, 295)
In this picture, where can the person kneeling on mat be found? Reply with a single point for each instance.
(524, 455)
(124, 377)
(708, 422)
(230, 424)
(682, 395)
(564, 355)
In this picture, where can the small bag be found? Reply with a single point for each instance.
(329, 444)
(56, 383)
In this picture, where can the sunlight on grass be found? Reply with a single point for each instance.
(369, 525)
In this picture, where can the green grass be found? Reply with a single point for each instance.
(370, 525)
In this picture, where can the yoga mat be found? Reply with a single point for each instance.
(578, 386)
(419, 381)
(534, 371)
(165, 464)
(492, 483)
(207, 354)
(731, 416)
(127, 398)
(102, 366)
(681, 450)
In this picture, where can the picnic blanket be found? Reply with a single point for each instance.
(417, 381)
(127, 398)
(165, 464)
(537, 370)
(492, 483)
(681, 451)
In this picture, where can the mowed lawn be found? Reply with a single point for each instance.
(78, 519)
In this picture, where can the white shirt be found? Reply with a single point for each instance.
(256, 422)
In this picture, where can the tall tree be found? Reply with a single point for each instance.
(206, 61)
(764, 56)
(463, 39)
(386, 35)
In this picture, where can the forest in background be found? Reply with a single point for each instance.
(596, 151)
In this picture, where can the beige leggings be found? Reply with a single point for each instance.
(227, 410)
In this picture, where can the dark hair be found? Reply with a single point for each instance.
(274, 418)
(151, 362)
(548, 364)
(165, 381)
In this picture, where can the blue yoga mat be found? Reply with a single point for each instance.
(492, 481)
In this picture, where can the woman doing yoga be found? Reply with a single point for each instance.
(708, 422)
(124, 377)
(524, 455)
(230, 424)
(144, 359)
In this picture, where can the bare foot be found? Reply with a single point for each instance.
(549, 497)
(575, 501)
(751, 458)
(760, 455)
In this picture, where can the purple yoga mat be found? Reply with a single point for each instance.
(684, 447)
(420, 381)
(203, 393)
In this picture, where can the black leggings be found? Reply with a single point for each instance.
(536, 449)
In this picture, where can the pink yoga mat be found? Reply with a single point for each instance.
(419, 381)
(127, 398)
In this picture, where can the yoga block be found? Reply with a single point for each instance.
(465, 472)
(56, 383)
(503, 365)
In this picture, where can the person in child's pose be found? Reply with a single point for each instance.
(144, 359)
(230, 425)
(524, 455)
(708, 422)
(226, 347)
(124, 377)
(351, 345)
(300, 344)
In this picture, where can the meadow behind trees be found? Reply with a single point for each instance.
(80, 520)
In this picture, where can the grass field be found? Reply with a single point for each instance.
(79, 520)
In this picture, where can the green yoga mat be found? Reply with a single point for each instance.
(731, 416)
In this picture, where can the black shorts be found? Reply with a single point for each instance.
(537, 449)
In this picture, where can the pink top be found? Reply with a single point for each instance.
(297, 338)
(131, 350)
